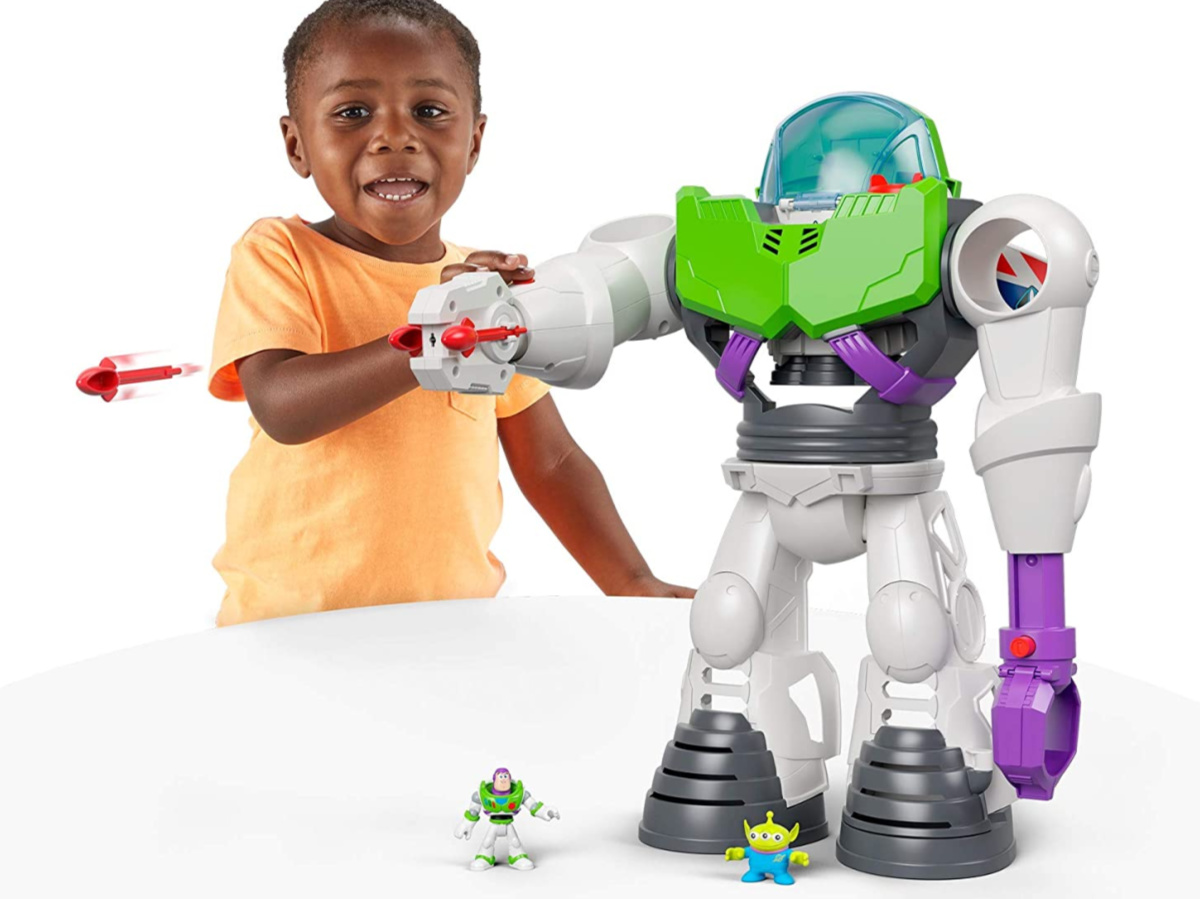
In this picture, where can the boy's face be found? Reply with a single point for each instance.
(385, 124)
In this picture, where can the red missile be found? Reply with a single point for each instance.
(464, 337)
(104, 380)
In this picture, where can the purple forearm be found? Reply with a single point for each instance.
(1037, 633)
(1035, 720)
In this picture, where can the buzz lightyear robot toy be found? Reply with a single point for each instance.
(858, 263)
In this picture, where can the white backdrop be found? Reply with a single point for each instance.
(140, 140)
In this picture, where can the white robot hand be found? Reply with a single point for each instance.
(463, 830)
(547, 813)
(463, 335)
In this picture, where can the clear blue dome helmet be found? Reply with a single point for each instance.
(835, 145)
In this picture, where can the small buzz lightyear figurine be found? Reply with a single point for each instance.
(501, 801)
(768, 852)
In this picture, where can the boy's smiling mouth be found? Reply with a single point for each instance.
(397, 188)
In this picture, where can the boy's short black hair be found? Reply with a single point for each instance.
(304, 47)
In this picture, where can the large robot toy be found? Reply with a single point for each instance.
(858, 264)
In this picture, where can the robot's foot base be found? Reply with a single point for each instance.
(716, 774)
(914, 809)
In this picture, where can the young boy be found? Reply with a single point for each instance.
(359, 488)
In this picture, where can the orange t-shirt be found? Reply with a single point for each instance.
(398, 506)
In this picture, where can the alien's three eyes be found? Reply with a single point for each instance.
(425, 111)
(777, 837)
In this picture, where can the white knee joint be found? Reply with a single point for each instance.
(726, 620)
(908, 631)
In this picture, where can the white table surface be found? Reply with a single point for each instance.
(331, 755)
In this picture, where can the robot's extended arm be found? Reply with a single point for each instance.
(472, 333)
(1034, 436)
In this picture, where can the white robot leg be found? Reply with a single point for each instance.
(923, 799)
(750, 618)
(751, 613)
(925, 627)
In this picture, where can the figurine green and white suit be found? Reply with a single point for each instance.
(501, 801)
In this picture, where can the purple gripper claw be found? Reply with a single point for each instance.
(1035, 719)
(735, 362)
(893, 382)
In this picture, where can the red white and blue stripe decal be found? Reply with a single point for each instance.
(1019, 276)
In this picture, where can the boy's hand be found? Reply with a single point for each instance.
(649, 585)
(513, 267)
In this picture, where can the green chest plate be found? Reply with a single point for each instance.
(879, 255)
(508, 804)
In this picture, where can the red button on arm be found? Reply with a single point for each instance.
(1022, 647)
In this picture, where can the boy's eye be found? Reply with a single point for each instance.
(430, 112)
(353, 112)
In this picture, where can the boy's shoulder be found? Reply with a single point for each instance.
(276, 231)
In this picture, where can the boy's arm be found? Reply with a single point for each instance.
(297, 397)
(568, 491)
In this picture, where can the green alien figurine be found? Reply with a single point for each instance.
(768, 852)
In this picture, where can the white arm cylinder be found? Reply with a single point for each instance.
(583, 304)
(1034, 432)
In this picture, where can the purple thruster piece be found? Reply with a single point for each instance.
(1035, 719)
(895, 383)
(735, 363)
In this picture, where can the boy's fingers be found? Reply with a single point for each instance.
(497, 261)
(516, 275)
(460, 268)
(512, 267)
(512, 276)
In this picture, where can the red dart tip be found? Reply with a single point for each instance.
(98, 381)
(459, 337)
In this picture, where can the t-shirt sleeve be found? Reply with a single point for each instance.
(522, 393)
(265, 306)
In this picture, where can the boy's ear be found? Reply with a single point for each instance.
(294, 146)
(476, 142)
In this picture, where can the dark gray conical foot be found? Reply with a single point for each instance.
(915, 810)
(716, 774)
